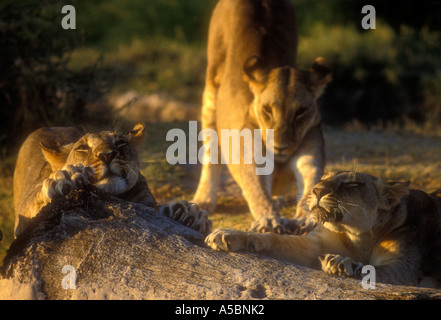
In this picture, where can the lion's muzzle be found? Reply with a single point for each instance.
(321, 215)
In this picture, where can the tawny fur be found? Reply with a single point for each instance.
(53, 161)
(361, 220)
(252, 83)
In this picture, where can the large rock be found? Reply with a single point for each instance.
(122, 250)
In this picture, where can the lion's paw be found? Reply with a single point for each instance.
(264, 224)
(61, 182)
(189, 214)
(338, 265)
(303, 219)
(227, 240)
(206, 203)
(278, 225)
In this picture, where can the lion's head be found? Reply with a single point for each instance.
(285, 100)
(353, 202)
(111, 154)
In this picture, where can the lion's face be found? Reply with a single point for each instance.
(112, 156)
(351, 202)
(285, 101)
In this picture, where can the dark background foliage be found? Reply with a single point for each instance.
(36, 86)
(40, 85)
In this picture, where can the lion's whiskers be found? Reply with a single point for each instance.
(341, 205)
(290, 203)
(352, 204)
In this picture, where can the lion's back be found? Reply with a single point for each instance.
(240, 29)
(424, 215)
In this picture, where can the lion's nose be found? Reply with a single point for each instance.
(320, 192)
(106, 156)
(280, 149)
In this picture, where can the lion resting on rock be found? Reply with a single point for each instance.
(53, 161)
(361, 220)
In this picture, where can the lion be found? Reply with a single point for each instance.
(53, 161)
(258, 37)
(360, 220)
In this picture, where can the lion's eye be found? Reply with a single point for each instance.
(268, 111)
(354, 184)
(120, 144)
(83, 148)
(300, 111)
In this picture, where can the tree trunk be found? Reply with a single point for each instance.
(111, 249)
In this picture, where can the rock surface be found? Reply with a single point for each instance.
(122, 250)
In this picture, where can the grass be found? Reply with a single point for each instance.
(393, 153)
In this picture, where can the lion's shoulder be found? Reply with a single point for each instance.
(31, 163)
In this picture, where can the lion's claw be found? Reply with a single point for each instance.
(338, 265)
(61, 182)
(188, 214)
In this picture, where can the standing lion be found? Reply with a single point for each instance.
(252, 83)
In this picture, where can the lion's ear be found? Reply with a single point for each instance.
(56, 155)
(136, 135)
(320, 74)
(253, 73)
(392, 192)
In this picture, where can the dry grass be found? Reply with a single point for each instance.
(392, 153)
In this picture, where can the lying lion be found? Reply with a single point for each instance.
(361, 220)
(53, 161)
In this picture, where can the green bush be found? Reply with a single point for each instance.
(36, 86)
(379, 74)
(109, 23)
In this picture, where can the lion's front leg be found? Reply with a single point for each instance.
(57, 185)
(236, 240)
(341, 266)
(209, 181)
(189, 214)
(61, 182)
(302, 250)
(308, 166)
(256, 190)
